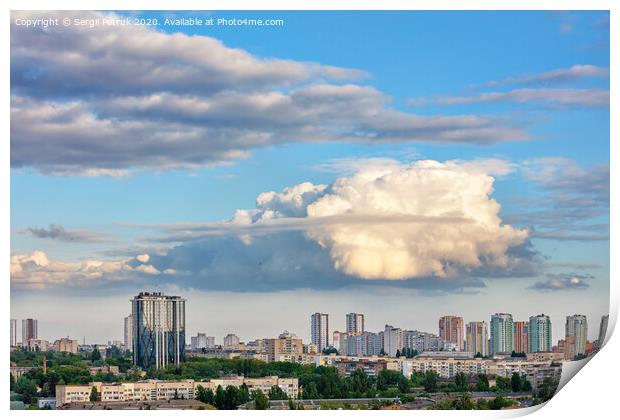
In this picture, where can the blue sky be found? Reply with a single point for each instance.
(550, 113)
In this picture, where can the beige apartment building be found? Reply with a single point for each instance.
(155, 390)
(447, 367)
(277, 346)
(66, 345)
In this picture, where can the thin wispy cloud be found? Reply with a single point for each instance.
(59, 233)
(589, 98)
(574, 73)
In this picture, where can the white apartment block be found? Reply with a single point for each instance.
(152, 389)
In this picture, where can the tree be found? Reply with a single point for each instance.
(525, 384)
(276, 393)
(478, 355)
(503, 384)
(403, 385)
(330, 350)
(397, 353)
(261, 402)
(244, 394)
(547, 389)
(498, 403)
(94, 394)
(231, 398)
(360, 382)
(430, 381)
(27, 388)
(95, 355)
(464, 402)
(218, 399)
(482, 384)
(515, 382)
(310, 391)
(460, 380)
(204, 395)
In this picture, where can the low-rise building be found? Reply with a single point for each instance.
(94, 370)
(35, 344)
(156, 390)
(66, 345)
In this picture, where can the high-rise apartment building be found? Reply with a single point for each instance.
(355, 323)
(319, 330)
(284, 344)
(392, 340)
(602, 331)
(338, 339)
(199, 342)
(128, 332)
(29, 330)
(521, 337)
(477, 338)
(577, 326)
(13, 332)
(501, 334)
(451, 329)
(539, 334)
(158, 330)
(231, 341)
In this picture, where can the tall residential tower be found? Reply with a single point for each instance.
(158, 329)
(501, 334)
(451, 329)
(355, 323)
(319, 330)
(577, 327)
(539, 334)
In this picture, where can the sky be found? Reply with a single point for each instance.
(402, 165)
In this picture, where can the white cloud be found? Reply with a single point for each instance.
(426, 219)
(39, 272)
(110, 100)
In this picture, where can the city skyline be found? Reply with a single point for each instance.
(590, 335)
(294, 169)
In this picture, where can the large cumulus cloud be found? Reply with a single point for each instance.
(426, 219)
(110, 99)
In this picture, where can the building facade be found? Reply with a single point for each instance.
(539, 334)
(128, 332)
(66, 345)
(319, 330)
(577, 327)
(451, 329)
(29, 330)
(338, 340)
(521, 340)
(392, 340)
(289, 345)
(477, 338)
(13, 332)
(158, 390)
(355, 323)
(501, 334)
(231, 341)
(158, 329)
(602, 331)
